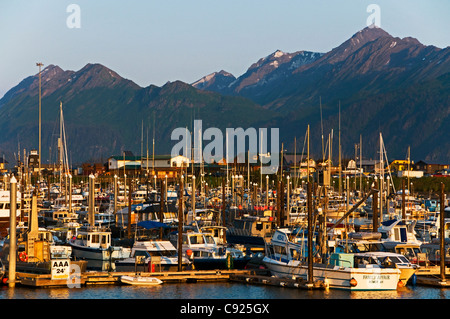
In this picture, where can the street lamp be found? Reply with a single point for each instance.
(39, 64)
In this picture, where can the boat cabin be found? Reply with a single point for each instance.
(396, 230)
(93, 237)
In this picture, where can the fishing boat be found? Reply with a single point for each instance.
(151, 256)
(286, 258)
(94, 245)
(239, 253)
(140, 281)
(202, 249)
(433, 249)
(252, 231)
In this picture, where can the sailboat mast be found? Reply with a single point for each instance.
(307, 164)
(381, 177)
(339, 150)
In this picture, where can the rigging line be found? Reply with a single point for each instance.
(301, 158)
(65, 156)
(321, 127)
(387, 161)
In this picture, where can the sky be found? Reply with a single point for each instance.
(152, 42)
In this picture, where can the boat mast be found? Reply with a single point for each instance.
(381, 177)
(339, 150)
(307, 165)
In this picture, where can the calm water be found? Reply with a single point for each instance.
(217, 300)
(225, 290)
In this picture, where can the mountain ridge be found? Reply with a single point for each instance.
(375, 82)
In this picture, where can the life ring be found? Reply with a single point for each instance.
(23, 256)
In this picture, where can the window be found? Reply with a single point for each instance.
(209, 239)
(279, 250)
(95, 239)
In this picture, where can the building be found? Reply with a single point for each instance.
(3, 164)
(401, 165)
(429, 168)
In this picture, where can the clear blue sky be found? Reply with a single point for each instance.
(152, 42)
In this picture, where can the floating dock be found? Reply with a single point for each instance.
(431, 276)
(298, 283)
(111, 278)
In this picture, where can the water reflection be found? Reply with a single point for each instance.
(225, 290)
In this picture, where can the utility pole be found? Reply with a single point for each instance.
(39, 64)
(180, 224)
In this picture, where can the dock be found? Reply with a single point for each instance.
(298, 283)
(112, 278)
(431, 276)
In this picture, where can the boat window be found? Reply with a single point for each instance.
(259, 226)
(209, 239)
(270, 251)
(196, 239)
(95, 239)
(295, 254)
(205, 254)
(279, 250)
(105, 239)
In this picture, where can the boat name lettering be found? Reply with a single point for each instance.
(377, 277)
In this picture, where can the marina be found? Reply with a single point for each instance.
(239, 234)
(229, 194)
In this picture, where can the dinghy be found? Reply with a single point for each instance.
(140, 281)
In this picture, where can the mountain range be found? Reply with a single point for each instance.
(371, 83)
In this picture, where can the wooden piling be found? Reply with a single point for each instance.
(12, 233)
(441, 234)
(310, 234)
(403, 200)
(161, 207)
(130, 187)
(180, 224)
(91, 213)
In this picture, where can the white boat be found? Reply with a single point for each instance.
(151, 256)
(202, 249)
(388, 260)
(395, 230)
(140, 281)
(94, 245)
(287, 259)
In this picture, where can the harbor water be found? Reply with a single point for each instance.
(221, 290)
(219, 300)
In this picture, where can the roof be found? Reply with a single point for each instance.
(127, 158)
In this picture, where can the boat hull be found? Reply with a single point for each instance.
(366, 279)
(140, 281)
